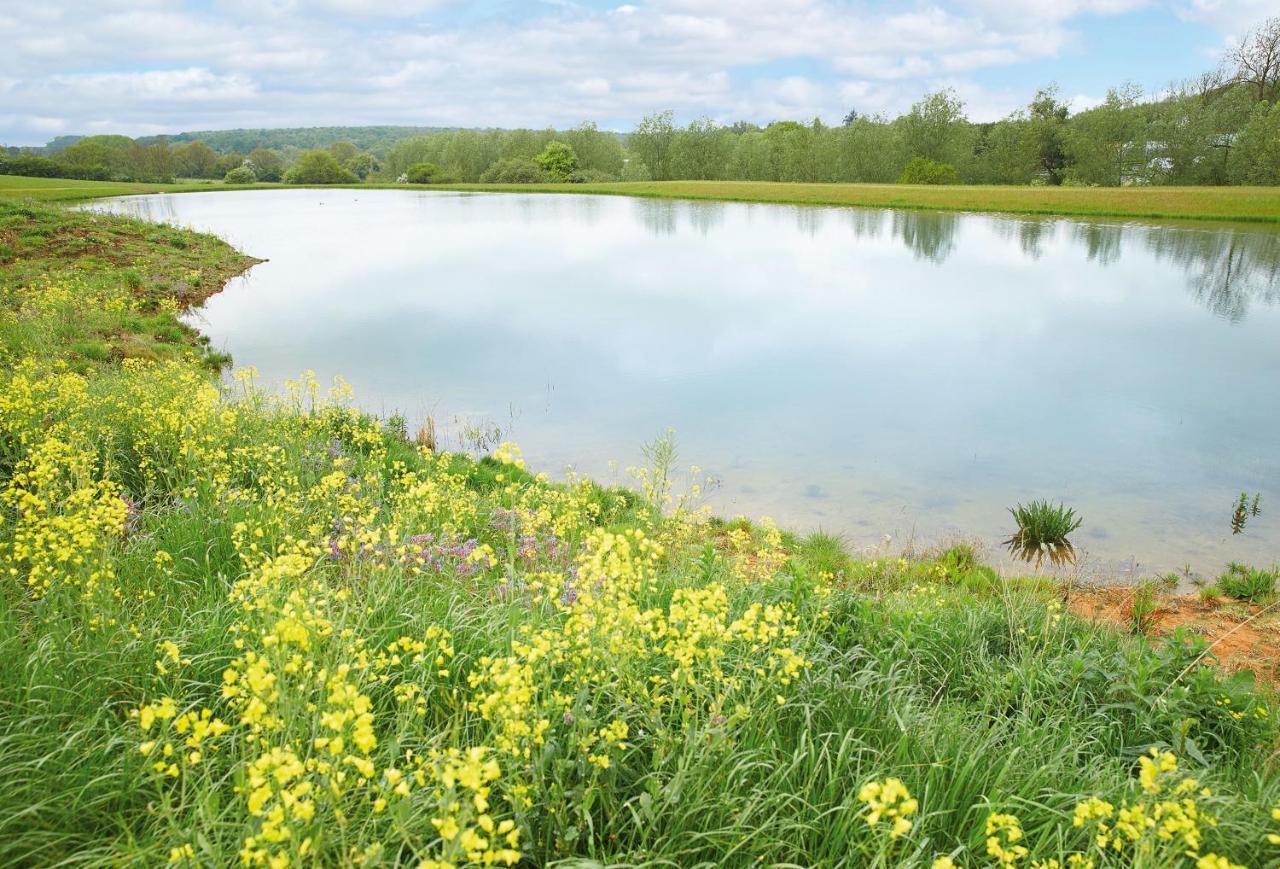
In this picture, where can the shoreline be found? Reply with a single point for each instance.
(1095, 569)
(1256, 206)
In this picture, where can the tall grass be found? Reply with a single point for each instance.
(425, 658)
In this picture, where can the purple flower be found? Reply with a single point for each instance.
(132, 513)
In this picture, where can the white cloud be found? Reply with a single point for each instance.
(145, 65)
(1080, 102)
(170, 85)
(1232, 17)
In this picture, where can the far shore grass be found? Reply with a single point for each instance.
(1251, 204)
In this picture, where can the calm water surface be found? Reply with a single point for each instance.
(868, 372)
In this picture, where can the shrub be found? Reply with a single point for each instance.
(558, 160)
(1247, 583)
(267, 164)
(240, 175)
(427, 173)
(922, 170)
(318, 167)
(33, 167)
(513, 170)
(1042, 532)
(591, 176)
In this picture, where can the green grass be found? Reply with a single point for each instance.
(1260, 204)
(73, 190)
(1252, 584)
(139, 276)
(1250, 204)
(260, 559)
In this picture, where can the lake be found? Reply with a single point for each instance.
(869, 372)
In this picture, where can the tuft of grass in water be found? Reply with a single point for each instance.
(1043, 532)
(1246, 583)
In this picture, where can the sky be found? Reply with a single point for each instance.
(143, 67)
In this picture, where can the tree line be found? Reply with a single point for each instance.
(1221, 128)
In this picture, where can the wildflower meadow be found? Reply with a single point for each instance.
(248, 628)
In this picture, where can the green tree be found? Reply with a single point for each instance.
(151, 163)
(557, 160)
(788, 143)
(1107, 144)
(1002, 154)
(318, 167)
(652, 141)
(195, 160)
(110, 152)
(701, 150)
(1046, 134)
(1255, 159)
(867, 150)
(343, 151)
(267, 164)
(936, 128)
(227, 162)
(362, 165)
(597, 151)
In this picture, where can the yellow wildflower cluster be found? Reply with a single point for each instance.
(68, 515)
(1004, 837)
(890, 801)
(756, 557)
(1164, 822)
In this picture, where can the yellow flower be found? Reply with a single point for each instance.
(1004, 832)
(889, 800)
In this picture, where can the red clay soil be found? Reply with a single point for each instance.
(1242, 636)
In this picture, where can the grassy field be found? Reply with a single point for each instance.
(271, 631)
(72, 190)
(1188, 203)
(1256, 204)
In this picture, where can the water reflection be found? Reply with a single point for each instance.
(929, 235)
(1030, 235)
(1101, 241)
(1227, 270)
(866, 371)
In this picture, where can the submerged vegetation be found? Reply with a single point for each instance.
(269, 631)
(1244, 510)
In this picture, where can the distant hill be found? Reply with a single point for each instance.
(245, 140)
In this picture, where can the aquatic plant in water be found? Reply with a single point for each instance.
(1042, 533)
(1243, 510)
